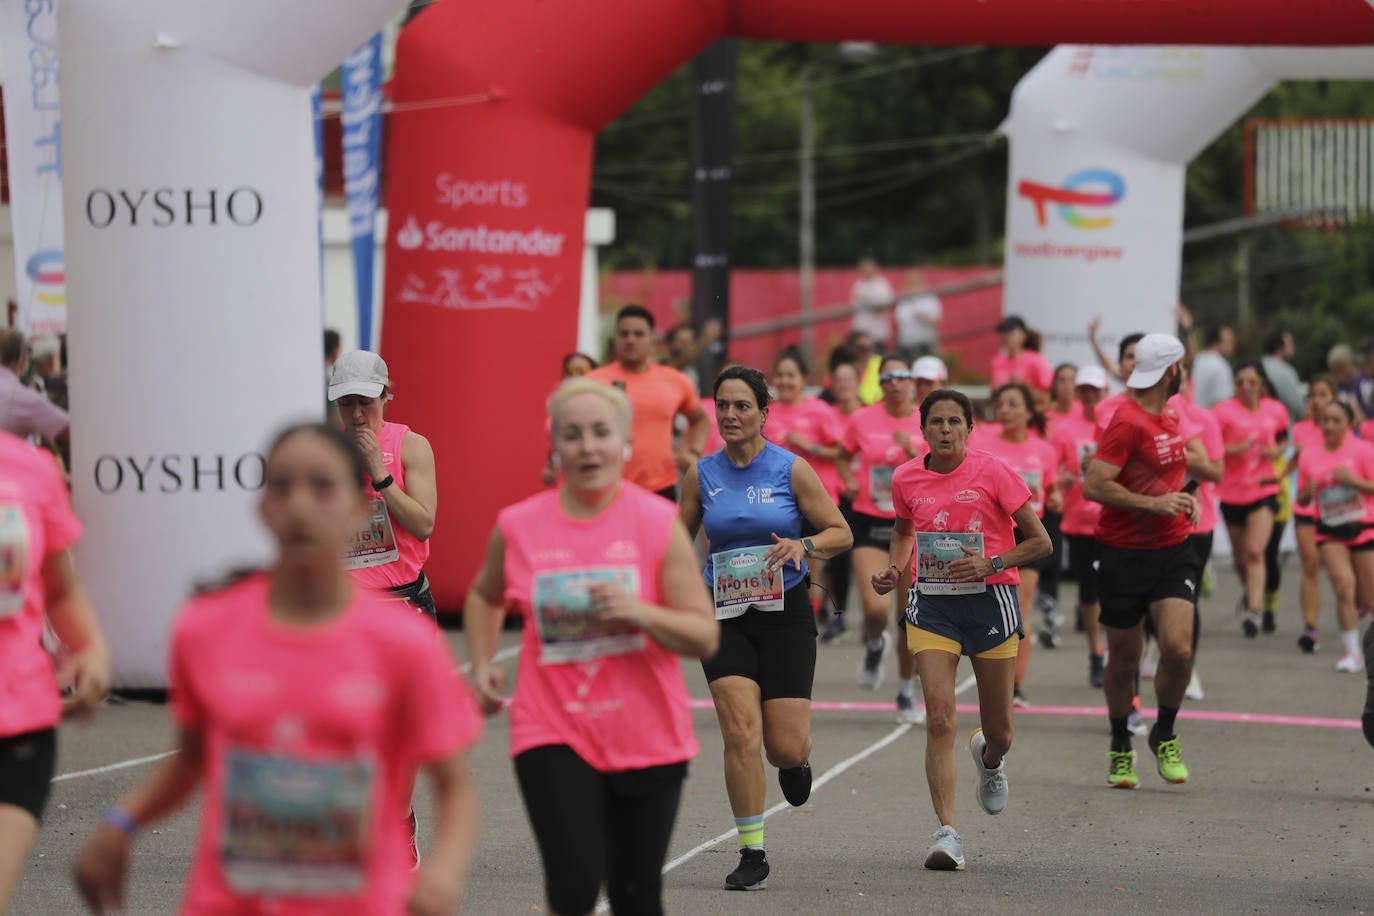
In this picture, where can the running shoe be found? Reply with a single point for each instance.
(1121, 771)
(752, 872)
(1167, 760)
(1096, 665)
(947, 852)
(1350, 662)
(834, 629)
(1310, 640)
(1267, 622)
(1018, 699)
(1367, 720)
(1250, 623)
(1136, 723)
(413, 831)
(795, 783)
(992, 783)
(908, 713)
(1049, 632)
(1207, 582)
(870, 675)
(1194, 690)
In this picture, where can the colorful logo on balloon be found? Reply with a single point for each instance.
(47, 271)
(1080, 200)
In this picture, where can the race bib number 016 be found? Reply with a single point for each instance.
(569, 630)
(936, 552)
(741, 580)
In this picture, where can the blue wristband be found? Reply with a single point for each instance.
(121, 820)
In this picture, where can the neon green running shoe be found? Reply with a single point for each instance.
(1168, 761)
(1122, 772)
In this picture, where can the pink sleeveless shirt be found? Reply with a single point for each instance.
(613, 695)
(384, 554)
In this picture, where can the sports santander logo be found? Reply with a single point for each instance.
(1080, 200)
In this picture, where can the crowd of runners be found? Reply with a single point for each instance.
(750, 529)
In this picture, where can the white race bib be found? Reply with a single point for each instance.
(1340, 505)
(740, 581)
(568, 628)
(1034, 480)
(374, 541)
(936, 551)
(14, 560)
(880, 486)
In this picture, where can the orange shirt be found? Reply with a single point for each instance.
(658, 395)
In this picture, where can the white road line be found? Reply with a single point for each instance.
(139, 761)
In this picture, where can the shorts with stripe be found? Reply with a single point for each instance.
(976, 622)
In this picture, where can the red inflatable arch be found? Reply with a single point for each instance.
(489, 170)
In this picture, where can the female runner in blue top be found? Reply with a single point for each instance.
(757, 503)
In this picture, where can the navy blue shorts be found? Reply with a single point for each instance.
(977, 622)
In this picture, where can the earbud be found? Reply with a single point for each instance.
(556, 461)
(628, 452)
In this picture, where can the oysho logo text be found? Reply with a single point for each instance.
(163, 208)
(179, 473)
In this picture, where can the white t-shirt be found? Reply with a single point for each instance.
(911, 330)
(872, 295)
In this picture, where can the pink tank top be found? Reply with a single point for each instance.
(384, 554)
(614, 696)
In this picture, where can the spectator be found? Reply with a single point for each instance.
(23, 411)
(685, 347)
(1213, 380)
(1020, 359)
(868, 361)
(872, 298)
(1364, 384)
(918, 316)
(1340, 363)
(1278, 350)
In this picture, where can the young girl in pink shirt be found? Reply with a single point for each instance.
(304, 704)
(606, 579)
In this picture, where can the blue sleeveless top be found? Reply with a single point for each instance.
(745, 507)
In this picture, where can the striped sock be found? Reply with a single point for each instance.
(750, 831)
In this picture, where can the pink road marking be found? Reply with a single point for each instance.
(1206, 715)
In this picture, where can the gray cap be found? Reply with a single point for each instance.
(360, 372)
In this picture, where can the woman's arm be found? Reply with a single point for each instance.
(686, 621)
(833, 536)
(898, 556)
(689, 502)
(484, 612)
(87, 670)
(414, 509)
(439, 887)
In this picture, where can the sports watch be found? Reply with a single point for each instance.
(998, 565)
(809, 546)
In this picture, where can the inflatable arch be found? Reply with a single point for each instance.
(487, 192)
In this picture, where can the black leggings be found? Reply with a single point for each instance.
(840, 569)
(593, 827)
(1051, 565)
(1271, 557)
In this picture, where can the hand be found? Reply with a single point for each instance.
(1271, 452)
(101, 869)
(613, 604)
(971, 567)
(1176, 504)
(489, 682)
(902, 438)
(371, 450)
(88, 674)
(1094, 324)
(851, 487)
(1054, 500)
(783, 551)
(1304, 496)
(885, 581)
(434, 893)
(1184, 317)
(1343, 475)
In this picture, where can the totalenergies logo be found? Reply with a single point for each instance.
(1090, 189)
(47, 271)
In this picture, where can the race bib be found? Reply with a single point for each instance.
(741, 581)
(1340, 505)
(295, 828)
(1035, 480)
(880, 486)
(14, 560)
(374, 541)
(568, 628)
(936, 551)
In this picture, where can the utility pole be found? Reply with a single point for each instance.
(807, 228)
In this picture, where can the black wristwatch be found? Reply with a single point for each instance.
(385, 482)
(998, 565)
(809, 546)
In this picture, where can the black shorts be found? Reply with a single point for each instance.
(418, 595)
(1045, 563)
(774, 649)
(1131, 580)
(668, 493)
(1083, 564)
(1345, 534)
(871, 530)
(977, 622)
(1300, 521)
(1236, 514)
(1202, 546)
(27, 762)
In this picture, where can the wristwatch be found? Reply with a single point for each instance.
(998, 565)
(809, 546)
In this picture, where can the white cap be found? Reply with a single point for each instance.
(930, 368)
(1091, 377)
(1154, 354)
(360, 372)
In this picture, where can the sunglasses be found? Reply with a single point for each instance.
(893, 377)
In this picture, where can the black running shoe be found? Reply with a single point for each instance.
(1309, 641)
(795, 783)
(752, 873)
(1267, 624)
(1096, 666)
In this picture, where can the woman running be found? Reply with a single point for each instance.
(38, 581)
(879, 438)
(843, 396)
(1019, 360)
(756, 502)
(305, 704)
(1307, 434)
(1337, 478)
(1254, 429)
(1023, 446)
(957, 509)
(1063, 394)
(391, 545)
(600, 728)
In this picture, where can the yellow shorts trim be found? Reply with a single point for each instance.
(918, 640)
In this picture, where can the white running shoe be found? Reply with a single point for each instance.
(992, 783)
(1350, 662)
(908, 712)
(870, 675)
(947, 852)
(1194, 691)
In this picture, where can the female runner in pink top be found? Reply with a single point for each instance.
(1063, 402)
(606, 579)
(880, 438)
(804, 426)
(304, 705)
(1019, 360)
(1023, 447)
(1307, 434)
(38, 579)
(390, 547)
(956, 508)
(1255, 430)
(1337, 478)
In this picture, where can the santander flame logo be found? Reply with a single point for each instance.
(1089, 189)
(411, 235)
